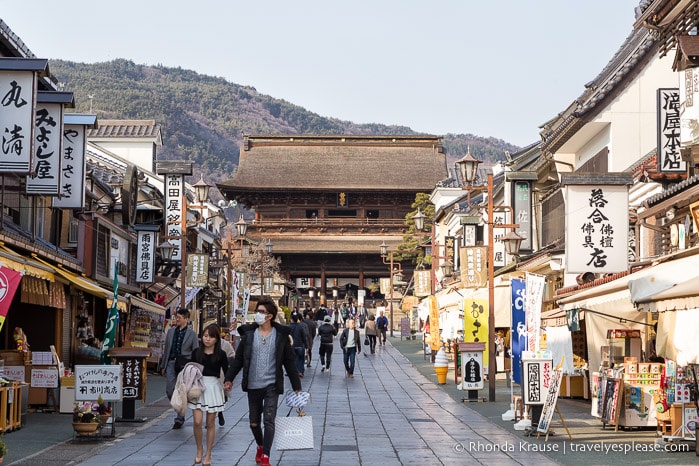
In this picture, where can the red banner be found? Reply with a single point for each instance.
(9, 282)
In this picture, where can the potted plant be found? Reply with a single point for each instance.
(85, 420)
(3, 448)
(104, 411)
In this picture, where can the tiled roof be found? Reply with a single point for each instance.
(310, 162)
(125, 129)
(627, 61)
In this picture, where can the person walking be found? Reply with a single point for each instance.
(212, 400)
(370, 331)
(299, 336)
(263, 355)
(382, 325)
(180, 342)
(350, 344)
(326, 334)
(227, 348)
(312, 331)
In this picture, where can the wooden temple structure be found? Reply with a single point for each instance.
(327, 202)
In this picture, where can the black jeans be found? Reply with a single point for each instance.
(372, 343)
(263, 401)
(325, 351)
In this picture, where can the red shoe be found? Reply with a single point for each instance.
(265, 461)
(258, 455)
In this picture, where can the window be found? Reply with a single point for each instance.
(372, 214)
(73, 231)
(312, 213)
(342, 213)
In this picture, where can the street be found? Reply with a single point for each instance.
(391, 413)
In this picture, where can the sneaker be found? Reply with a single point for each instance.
(258, 455)
(221, 419)
(351, 376)
(322, 369)
(265, 461)
(177, 424)
(301, 374)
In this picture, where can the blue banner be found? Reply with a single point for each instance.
(518, 334)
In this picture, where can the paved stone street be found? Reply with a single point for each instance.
(391, 413)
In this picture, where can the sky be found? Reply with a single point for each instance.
(490, 68)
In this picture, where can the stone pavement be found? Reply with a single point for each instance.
(392, 412)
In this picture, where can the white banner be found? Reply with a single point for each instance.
(534, 293)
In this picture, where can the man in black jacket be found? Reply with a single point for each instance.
(327, 333)
(263, 353)
(312, 330)
(350, 344)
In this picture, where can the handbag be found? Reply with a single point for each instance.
(296, 400)
(366, 341)
(293, 433)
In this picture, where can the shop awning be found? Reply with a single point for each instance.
(620, 295)
(25, 265)
(81, 283)
(146, 304)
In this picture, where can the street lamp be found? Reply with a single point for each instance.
(468, 167)
(383, 249)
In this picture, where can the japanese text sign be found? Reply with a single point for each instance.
(669, 159)
(94, 381)
(17, 97)
(597, 224)
(476, 323)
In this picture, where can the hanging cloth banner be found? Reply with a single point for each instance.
(112, 325)
(9, 283)
(476, 325)
(532, 306)
(518, 334)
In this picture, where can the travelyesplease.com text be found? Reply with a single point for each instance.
(565, 447)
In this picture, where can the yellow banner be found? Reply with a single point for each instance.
(435, 339)
(476, 324)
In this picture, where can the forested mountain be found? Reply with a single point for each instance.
(204, 118)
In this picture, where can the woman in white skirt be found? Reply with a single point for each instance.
(214, 359)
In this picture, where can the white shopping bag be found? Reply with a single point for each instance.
(294, 433)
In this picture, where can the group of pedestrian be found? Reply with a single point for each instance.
(266, 350)
(263, 355)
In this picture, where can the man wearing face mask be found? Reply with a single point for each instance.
(263, 354)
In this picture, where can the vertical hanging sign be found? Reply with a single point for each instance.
(597, 222)
(71, 192)
(499, 259)
(173, 174)
(522, 208)
(174, 191)
(145, 253)
(45, 175)
(18, 84)
(669, 159)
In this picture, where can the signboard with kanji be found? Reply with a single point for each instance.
(44, 378)
(538, 378)
(92, 382)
